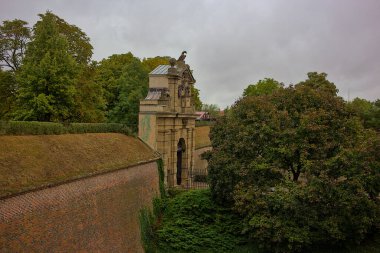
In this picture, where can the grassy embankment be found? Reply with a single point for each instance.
(29, 162)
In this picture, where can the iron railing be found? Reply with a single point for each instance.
(198, 179)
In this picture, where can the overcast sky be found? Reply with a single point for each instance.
(231, 44)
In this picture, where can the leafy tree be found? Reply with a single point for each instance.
(262, 87)
(14, 36)
(297, 166)
(212, 109)
(108, 73)
(89, 100)
(79, 45)
(132, 86)
(8, 88)
(47, 76)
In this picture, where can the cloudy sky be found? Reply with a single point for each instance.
(231, 44)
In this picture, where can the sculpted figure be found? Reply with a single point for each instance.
(183, 56)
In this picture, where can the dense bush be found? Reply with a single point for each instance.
(298, 217)
(41, 128)
(193, 222)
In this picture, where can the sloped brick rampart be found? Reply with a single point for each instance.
(95, 214)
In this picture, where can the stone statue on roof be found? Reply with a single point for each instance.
(183, 56)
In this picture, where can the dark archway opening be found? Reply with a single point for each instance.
(181, 147)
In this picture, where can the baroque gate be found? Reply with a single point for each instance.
(167, 119)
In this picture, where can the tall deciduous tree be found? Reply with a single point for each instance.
(14, 35)
(133, 86)
(47, 76)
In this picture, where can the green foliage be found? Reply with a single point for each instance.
(294, 217)
(161, 178)
(305, 133)
(108, 73)
(262, 87)
(147, 224)
(47, 76)
(90, 104)
(294, 130)
(8, 89)
(151, 63)
(79, 45)
(369, 112)
(30, 128)
(40, 128)
(132, 86)
(125, 81)
(14, 36)
(192, 222)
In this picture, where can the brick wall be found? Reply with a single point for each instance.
(95, 214)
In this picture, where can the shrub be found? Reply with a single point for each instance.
(192, 222)
(41, 128)
(31, 128)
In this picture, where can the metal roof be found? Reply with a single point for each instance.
(160, 70)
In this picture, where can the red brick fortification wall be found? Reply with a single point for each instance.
(95, 214)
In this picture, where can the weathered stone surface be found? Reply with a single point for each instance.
(168, 125)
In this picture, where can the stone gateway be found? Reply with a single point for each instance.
(167, 119)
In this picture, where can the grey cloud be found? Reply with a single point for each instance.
(234, 43)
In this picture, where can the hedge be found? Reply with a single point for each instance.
(199, 123)
(47, 128)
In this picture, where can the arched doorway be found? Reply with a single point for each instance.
(181, 148)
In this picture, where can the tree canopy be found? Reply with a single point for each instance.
(262, 87)
(47, 76)
(78, 42)
(281, 158)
